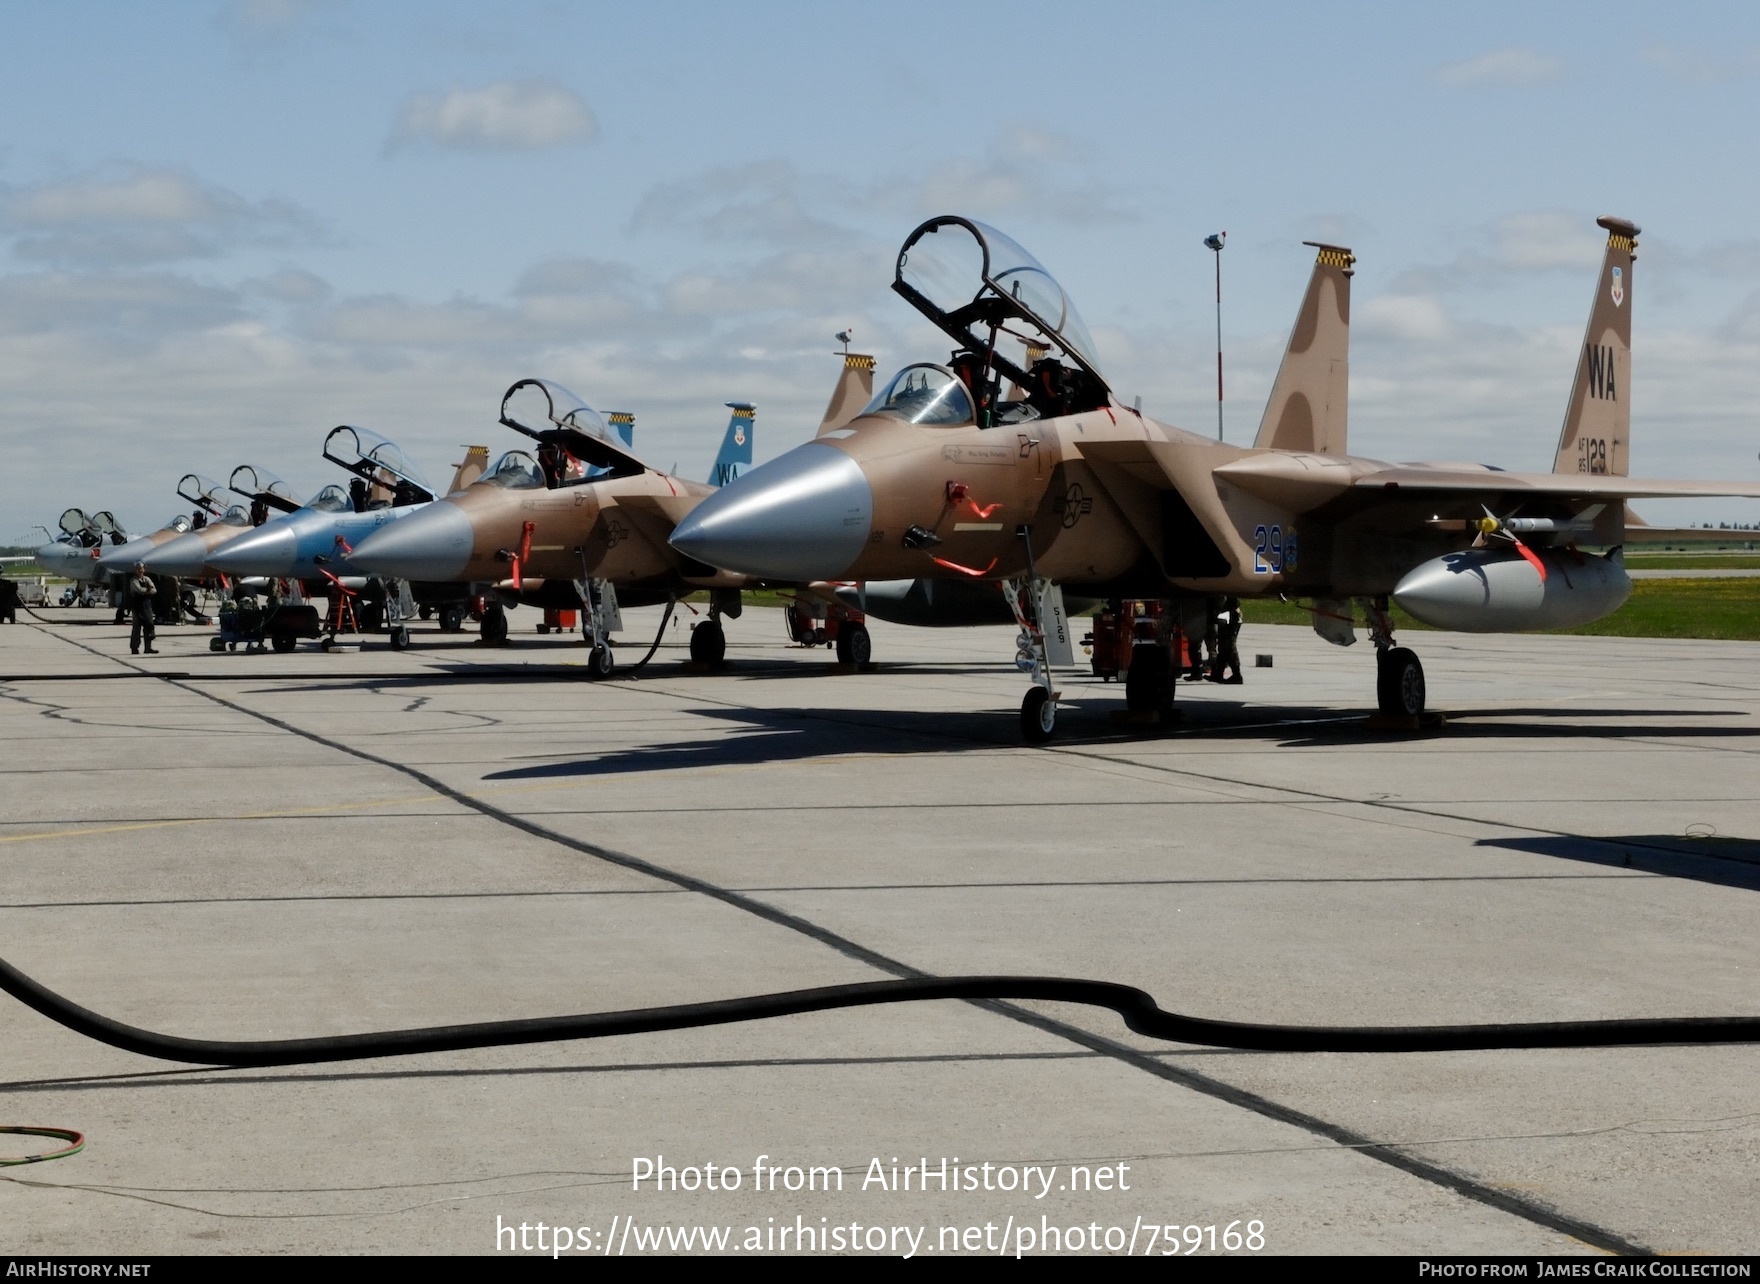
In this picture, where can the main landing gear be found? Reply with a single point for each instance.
(494, 627)
(1399, 677)
(813, 622)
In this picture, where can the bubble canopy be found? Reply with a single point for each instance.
(260, 483)
(377, 459)
(924, 394)
(515, 470)
(332, 499)
(203, 492)
(549, 413)
(976, 283)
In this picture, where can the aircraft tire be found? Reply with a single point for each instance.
(1038, 716)
(283, 642)
(494, 627)
(601, 662)
(452, 618)
(708, 643)
(1399, 683)
(399, 638)
(1148, 685)
(859, 649)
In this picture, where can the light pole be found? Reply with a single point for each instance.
(1215, 242)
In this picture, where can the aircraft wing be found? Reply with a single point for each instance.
(1565, 486)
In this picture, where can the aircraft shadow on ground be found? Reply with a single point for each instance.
(1505, 724)
(766, 736)
(1726, 862)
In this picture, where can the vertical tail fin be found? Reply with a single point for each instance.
(623, 426)
(471, 467)
(1309, 404)
(1598, 420)
(736, 446)
(855, 389)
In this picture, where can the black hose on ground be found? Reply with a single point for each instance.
(1139, 1011)
(660, 633)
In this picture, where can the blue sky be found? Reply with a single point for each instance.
(226, 227)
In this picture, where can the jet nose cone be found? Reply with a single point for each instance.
(122, 557)
(184, 557)
(268, 550)
(804, 516)
(432, 545)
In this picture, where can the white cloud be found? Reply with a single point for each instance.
(131, 215)
(1401, 316)
(1513, 65)
(507, 116)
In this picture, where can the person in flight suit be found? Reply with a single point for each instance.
(140, 594)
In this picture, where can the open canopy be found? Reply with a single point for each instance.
(259, 483)
(981, 287)
(549, 413)
(378, 461)
(203, 492)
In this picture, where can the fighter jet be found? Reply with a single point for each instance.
(215, 522)
(74, 553)
(583, 527)
(119, 558)
(1062, 485)
(314, 543)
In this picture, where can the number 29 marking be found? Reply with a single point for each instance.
(1271, 552)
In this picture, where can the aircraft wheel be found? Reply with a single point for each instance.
(1038, 716)
(326, 644)
(708, 643)
(1399, 683)
(601, 662)
(854, 646)
(1148, 685)
(284, 642)
(399, 638)
(494, 627)
(452, 618)
(423, 612)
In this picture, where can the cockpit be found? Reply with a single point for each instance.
(569, 431)
(332, 499)
(1010, 317)
(203, 492)
(77, 528)
(384, 475)
(515, 470)
(265, 491)
(924, 394)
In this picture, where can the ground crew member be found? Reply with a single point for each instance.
(1226, 665)
(140, 594)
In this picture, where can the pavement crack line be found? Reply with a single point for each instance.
(1525, 1208)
